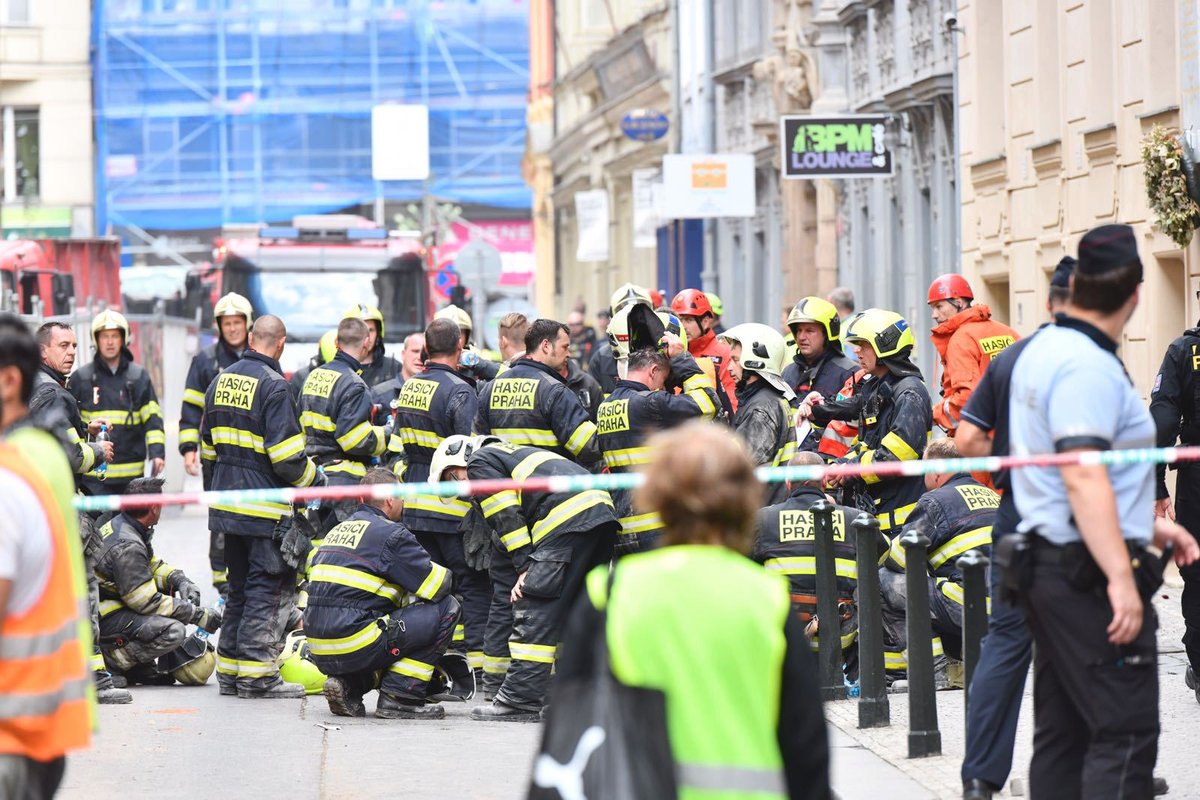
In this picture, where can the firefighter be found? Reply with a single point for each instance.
(336, 410)
(718, 309)
(694, 310)
(233, 316)
(114, 389)
(585, 387)
(549, 539)
(250, 439)
(380, 613)
(437, 403)
(764, 417)
(603, 365)
(531, 404)
(375, 366)
(818, 364)
(956, 514)
(145, 603)
(474, 363)
(638, 407)
(326, 350)
(967, 339)
(412, 361)
(784, 544)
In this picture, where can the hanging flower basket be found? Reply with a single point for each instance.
(1168, 173)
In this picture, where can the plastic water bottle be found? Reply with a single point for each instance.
(852, 687)
(102, 436)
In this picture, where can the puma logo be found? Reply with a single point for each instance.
(567, 779)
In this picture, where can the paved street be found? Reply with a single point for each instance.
(181, 742)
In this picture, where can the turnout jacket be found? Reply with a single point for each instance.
(366, 568)
(764, 421)
(827, 375)
(335, 412)
(956, 517)
(132, 577)
(603, 367)
(55, 409)
(250, 439)
(526, 523)
(382, 368)
(432, 405)
(531, 404)
(1175, 399)
(206, 365)
(967, 343)
(126, 399)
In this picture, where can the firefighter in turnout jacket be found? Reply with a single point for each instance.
(250, 439)
(893, 412)
(375, 366)
(545, 542)
(380, 613)
(956, 514)
(818, 365)
(55, 409)
(232, 316)
(432, 405)
(531, 404)
(764, 416)
(145, 603)
(639, 406)
(114, 389)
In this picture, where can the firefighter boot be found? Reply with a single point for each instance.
(280, 691)
(106, 693)
(393, 707)
(343, 699)
(499, 711)
(1189, 678)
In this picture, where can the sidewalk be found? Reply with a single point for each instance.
(856, 777)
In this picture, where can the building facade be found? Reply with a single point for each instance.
(46, 151)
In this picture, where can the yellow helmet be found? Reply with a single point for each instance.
(366, 313)
(193, 662)
(296, 667)
(672, 324)
(458, 316)
(232, 305)
(718, 307)
(820, 312)
(886, 332)
(328, 346)
(629, 294)
(109, 320)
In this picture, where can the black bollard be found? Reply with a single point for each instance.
(924, 738)
(873, 708)
(829, 633)
(973, 565)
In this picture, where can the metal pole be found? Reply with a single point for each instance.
(873, 708)
(956, 145)
(829, 635)
(973, 565)
(924, 738)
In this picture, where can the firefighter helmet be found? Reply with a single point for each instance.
(366, 313)
(718, 308)
(296, 666)
(763, 352)
(454, 452)
(691, 303)
(886, 332)
(193, 662)
(233, 305)
(819, 312)
(327, 347)
(458, 316)
(950, 287)
(629, 294)
(109, 320)
(453, 679)
(636, 327)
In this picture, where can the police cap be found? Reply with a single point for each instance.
(1107, 248)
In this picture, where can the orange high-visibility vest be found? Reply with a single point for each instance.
(45, 688)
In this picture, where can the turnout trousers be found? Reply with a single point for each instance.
(91, 542)
(129, 639)
(945, 614)
(496, 657)
(261, 597)
(469, 584)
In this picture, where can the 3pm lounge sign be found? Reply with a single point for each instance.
(834, 147)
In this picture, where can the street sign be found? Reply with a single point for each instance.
(834, 147)
(478, 265)
(645, 125)
(708, 185)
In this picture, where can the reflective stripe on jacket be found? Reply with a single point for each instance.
(335, 412)
(205, 367)
(126, 400)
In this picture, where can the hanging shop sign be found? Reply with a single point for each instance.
(834, 147)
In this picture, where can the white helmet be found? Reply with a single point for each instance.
(762, 352)
(629, 294)
(454, 452)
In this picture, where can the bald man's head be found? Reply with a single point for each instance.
(806, 459)
(267, 336)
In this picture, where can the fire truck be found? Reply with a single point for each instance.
(42, 277)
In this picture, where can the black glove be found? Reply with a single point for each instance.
(294, 535)
(208, 619)
(188, 591)
(477, 539)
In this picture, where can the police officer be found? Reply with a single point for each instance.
(531, 404)
(432, 405)
(785, 544)
(250, 439)
(232, 315)
(818, 365)
(638, 407)
(380, 613)
(375, 366)
(1093, 626)
(145, 603)
(893, 412)
(550, 539)
(764, 416)
(335, 412)
(114, 389)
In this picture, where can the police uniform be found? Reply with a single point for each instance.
(377, 603)
(432, 405)
(623, 422)
(551, 538)
(140, 618)
(1175, 406)
(56, 410)
(531, 404)
(764, 421)
(126, 400)
(250, 439)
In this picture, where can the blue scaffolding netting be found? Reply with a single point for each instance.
(211, 112)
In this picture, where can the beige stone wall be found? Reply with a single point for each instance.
(1055, 97)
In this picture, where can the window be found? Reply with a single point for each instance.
(15, 12)
(19, 145)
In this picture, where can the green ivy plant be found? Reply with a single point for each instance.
(1177, 213)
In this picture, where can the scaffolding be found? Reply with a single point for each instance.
(212, 112)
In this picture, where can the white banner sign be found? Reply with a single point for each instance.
(697, 185)
(400, 142)
(591, 216)
(645, 220)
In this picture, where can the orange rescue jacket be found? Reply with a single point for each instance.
(967, 343)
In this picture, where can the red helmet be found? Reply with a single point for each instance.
(692, 303)
(948, 287)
